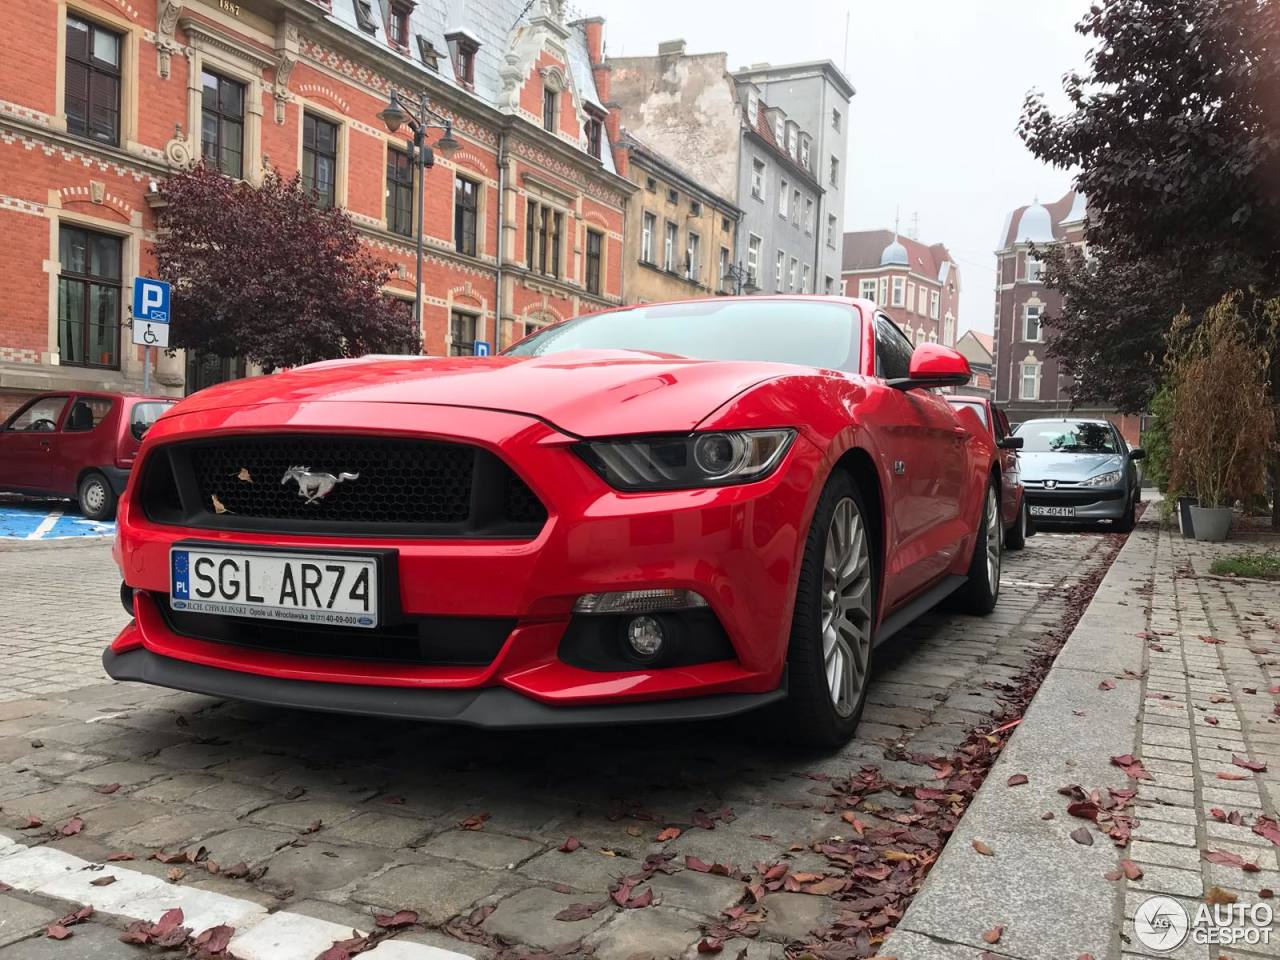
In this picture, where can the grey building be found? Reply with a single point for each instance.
(689, 108)
(817, 96)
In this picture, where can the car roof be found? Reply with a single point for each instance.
(1068, 420)
(107, 395)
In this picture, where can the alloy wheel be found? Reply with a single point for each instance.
(846, 607)
(993, 539)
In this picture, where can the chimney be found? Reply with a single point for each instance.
(671, 48)
(593, 27)
(613, 127)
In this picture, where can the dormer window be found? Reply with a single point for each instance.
(792, 141)
(364, 16)
(753, 107)
(462, 51)
(429, 54)
(779, 130)
(398, 25)
(804, 152)
(595, 135)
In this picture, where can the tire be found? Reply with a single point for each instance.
(829, 669)
(1015, 537)
(97, 499)
(1125, 523)
(981, 589)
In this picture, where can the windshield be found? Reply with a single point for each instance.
(1066, 437)
(813, 333)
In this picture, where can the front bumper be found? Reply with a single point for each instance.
(738, 547)
(494, 707)
(1088, 503)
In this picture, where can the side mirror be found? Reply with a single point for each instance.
(1011, 443)
(1137, 453)
(933, 365)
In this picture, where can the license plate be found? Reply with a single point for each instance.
(1053, 511)
(341, 590)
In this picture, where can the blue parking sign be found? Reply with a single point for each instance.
(150, 300)
(481, 348)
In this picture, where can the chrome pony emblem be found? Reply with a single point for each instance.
(315, 486)
(1050, 484)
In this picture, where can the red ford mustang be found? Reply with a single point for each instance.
(659, 512)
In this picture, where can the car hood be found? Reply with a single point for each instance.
(1071, 467)
(588, 393)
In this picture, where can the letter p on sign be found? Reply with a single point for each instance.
(150, 300)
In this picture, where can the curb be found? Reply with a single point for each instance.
(1048, 891)
(48, 872)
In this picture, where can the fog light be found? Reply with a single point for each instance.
(645, 636)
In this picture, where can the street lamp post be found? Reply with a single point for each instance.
(744, 280)
(420, 118)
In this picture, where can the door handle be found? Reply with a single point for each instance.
(44, 443)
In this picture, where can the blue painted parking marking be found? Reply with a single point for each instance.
(46, 521)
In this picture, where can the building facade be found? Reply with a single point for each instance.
(978, 349)
(689, 109)
(918, 285)
(101, 99)
(1028, 381)
(816, 96)
(680, 236)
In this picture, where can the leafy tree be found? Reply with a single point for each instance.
(268, 274)
(1174, 129)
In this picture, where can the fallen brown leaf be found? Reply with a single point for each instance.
(393, 921)
(71, 827)
(570, 844)
(103, 881)
(670, 833)
(581, 911)
(474, 822)
(1254, 765)
(107, 788)
(1131, 870)
(1082, 836)
(1107, 685)
(993, 935)
(1217, 895)
(1017, 780)
(56, 931)
(983, 849)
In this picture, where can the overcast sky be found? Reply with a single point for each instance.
(939, 83)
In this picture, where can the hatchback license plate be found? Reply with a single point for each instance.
(341, 590)
(1053, 511)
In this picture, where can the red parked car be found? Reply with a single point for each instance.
(659, 512)
(1013, 506)
(76, 444)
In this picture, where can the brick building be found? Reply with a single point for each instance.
(918, 285)
(100, 99)
(1028, 380)
(979, 349)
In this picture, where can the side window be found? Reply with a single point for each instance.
(40, 416)
(144, 415)
(86, 413)
(893, 351)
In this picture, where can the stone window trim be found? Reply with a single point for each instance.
(131, 237)
(595, 262)
(457, 206)
(459, 319)
(1033, 313)
(324, 112)
(1029, 370)
(132, 38)
(234, 60)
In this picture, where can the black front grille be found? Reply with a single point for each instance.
(1070, 497)
(426, 641)
(375, 485)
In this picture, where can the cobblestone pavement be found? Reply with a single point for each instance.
(334, 816)
(1214, 662)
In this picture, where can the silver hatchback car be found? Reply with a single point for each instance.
(1079, 471)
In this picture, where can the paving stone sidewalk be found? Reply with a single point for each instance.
(1170, 664)
(385, 802)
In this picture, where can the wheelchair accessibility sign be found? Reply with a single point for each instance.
(150, 312)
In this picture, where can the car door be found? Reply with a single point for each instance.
(27, 444)
(921, 442)
(1010, 469)
(84, 441)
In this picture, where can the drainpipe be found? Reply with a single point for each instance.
(502, 238)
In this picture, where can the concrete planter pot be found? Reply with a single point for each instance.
(1211, 523)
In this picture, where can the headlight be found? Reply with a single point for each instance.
(693, 460)
(1103, 480)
